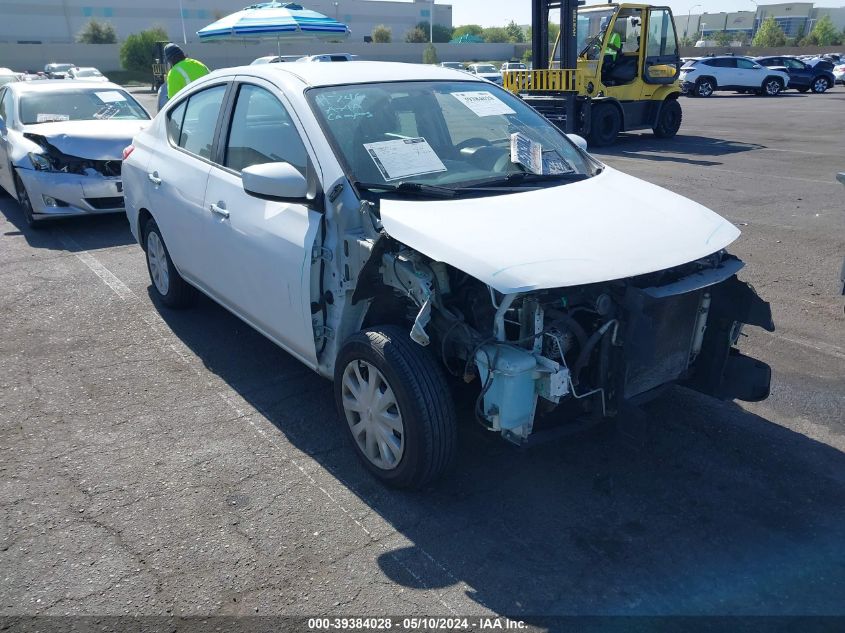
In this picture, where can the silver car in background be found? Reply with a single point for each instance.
(61, 146)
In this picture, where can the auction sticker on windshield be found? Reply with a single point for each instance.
(483, 103)
(404, 157)
(110, 96)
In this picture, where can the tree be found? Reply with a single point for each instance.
(382, 34)
(527, 56)
(416, 36)
(96, 32)
(554, 30)
(723, 38)
(430, 55)
(515, 32)
(138, 50)
(467, 29)
(824, 33)
(442, 33)
(495, 35)
(769, 34)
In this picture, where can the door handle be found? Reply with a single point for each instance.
(153, 178)
(219, 210)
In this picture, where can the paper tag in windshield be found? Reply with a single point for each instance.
(47, 118)
(404, 157)
(483, 103)
(527, 153)
(110, 96)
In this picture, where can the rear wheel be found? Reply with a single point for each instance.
(705, 87)
(820, 84)
(669, 121)
(168, 285)
(26, 204)
(396, 406)
(605, 124)
(772, 87)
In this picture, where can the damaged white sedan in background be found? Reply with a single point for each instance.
(61, 146)
(388, 224)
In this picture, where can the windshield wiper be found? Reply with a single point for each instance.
(521, 177)
(414, 188)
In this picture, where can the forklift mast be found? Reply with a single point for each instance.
(540, 11)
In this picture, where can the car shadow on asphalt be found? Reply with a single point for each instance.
(680, 149)
(69, 234)
(693, 507)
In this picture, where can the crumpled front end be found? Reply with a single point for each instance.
(589, 348)
(60, 184)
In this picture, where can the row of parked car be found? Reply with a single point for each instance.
(53, 71)
(771, 75)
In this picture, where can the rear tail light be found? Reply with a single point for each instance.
(127, 151)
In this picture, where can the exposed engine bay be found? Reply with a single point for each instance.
(582, 349)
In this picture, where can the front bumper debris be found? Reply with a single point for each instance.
(58, 194)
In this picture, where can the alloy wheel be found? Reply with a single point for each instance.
(820, 85)
(772, 87)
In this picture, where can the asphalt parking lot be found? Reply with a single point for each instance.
(161, 462)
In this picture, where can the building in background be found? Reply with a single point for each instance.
(795, 18)
(59, 21)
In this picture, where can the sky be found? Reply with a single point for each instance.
(500, 12)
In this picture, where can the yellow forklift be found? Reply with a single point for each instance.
(613, 68)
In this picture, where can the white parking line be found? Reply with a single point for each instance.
(234, 401)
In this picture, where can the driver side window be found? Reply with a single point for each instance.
(745, 64)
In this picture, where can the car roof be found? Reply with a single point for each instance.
(60, 85)
(354, 72)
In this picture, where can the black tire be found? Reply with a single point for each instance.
(172, 290)
(670, 119)
(421, 396)
(605, 124)
(26, 204)
(772, 87)
(705, 87)
(820, 85)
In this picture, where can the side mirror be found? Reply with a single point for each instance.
(757, 66)
(275, 181)
(580, 141)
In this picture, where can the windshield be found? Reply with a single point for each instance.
(58, 68)
(5, 79)
(440, 133)
(79, 105)
(88, 72)
(591, 27)
(485, 68)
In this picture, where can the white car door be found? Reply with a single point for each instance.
(748, 73)
(261, 266)
(177, 174)
(6, 176)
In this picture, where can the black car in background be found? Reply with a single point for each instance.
(802, 76)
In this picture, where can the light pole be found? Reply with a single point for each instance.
(336, 5)
(182, 17)
(431, 25)
(686, 30)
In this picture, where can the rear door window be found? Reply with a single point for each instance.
(191, 125)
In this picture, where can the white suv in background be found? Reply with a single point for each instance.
(702, 77)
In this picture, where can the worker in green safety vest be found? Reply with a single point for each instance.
(183, 70)
(614, 45)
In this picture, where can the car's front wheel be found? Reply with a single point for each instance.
(704, 87)
(396, 406)
(26, 204)
(772, 87)
(820, 84)
(168, 285)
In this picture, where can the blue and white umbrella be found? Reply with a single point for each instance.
(274, 20)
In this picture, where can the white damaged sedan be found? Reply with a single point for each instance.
(61, 146)
(391, 224)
